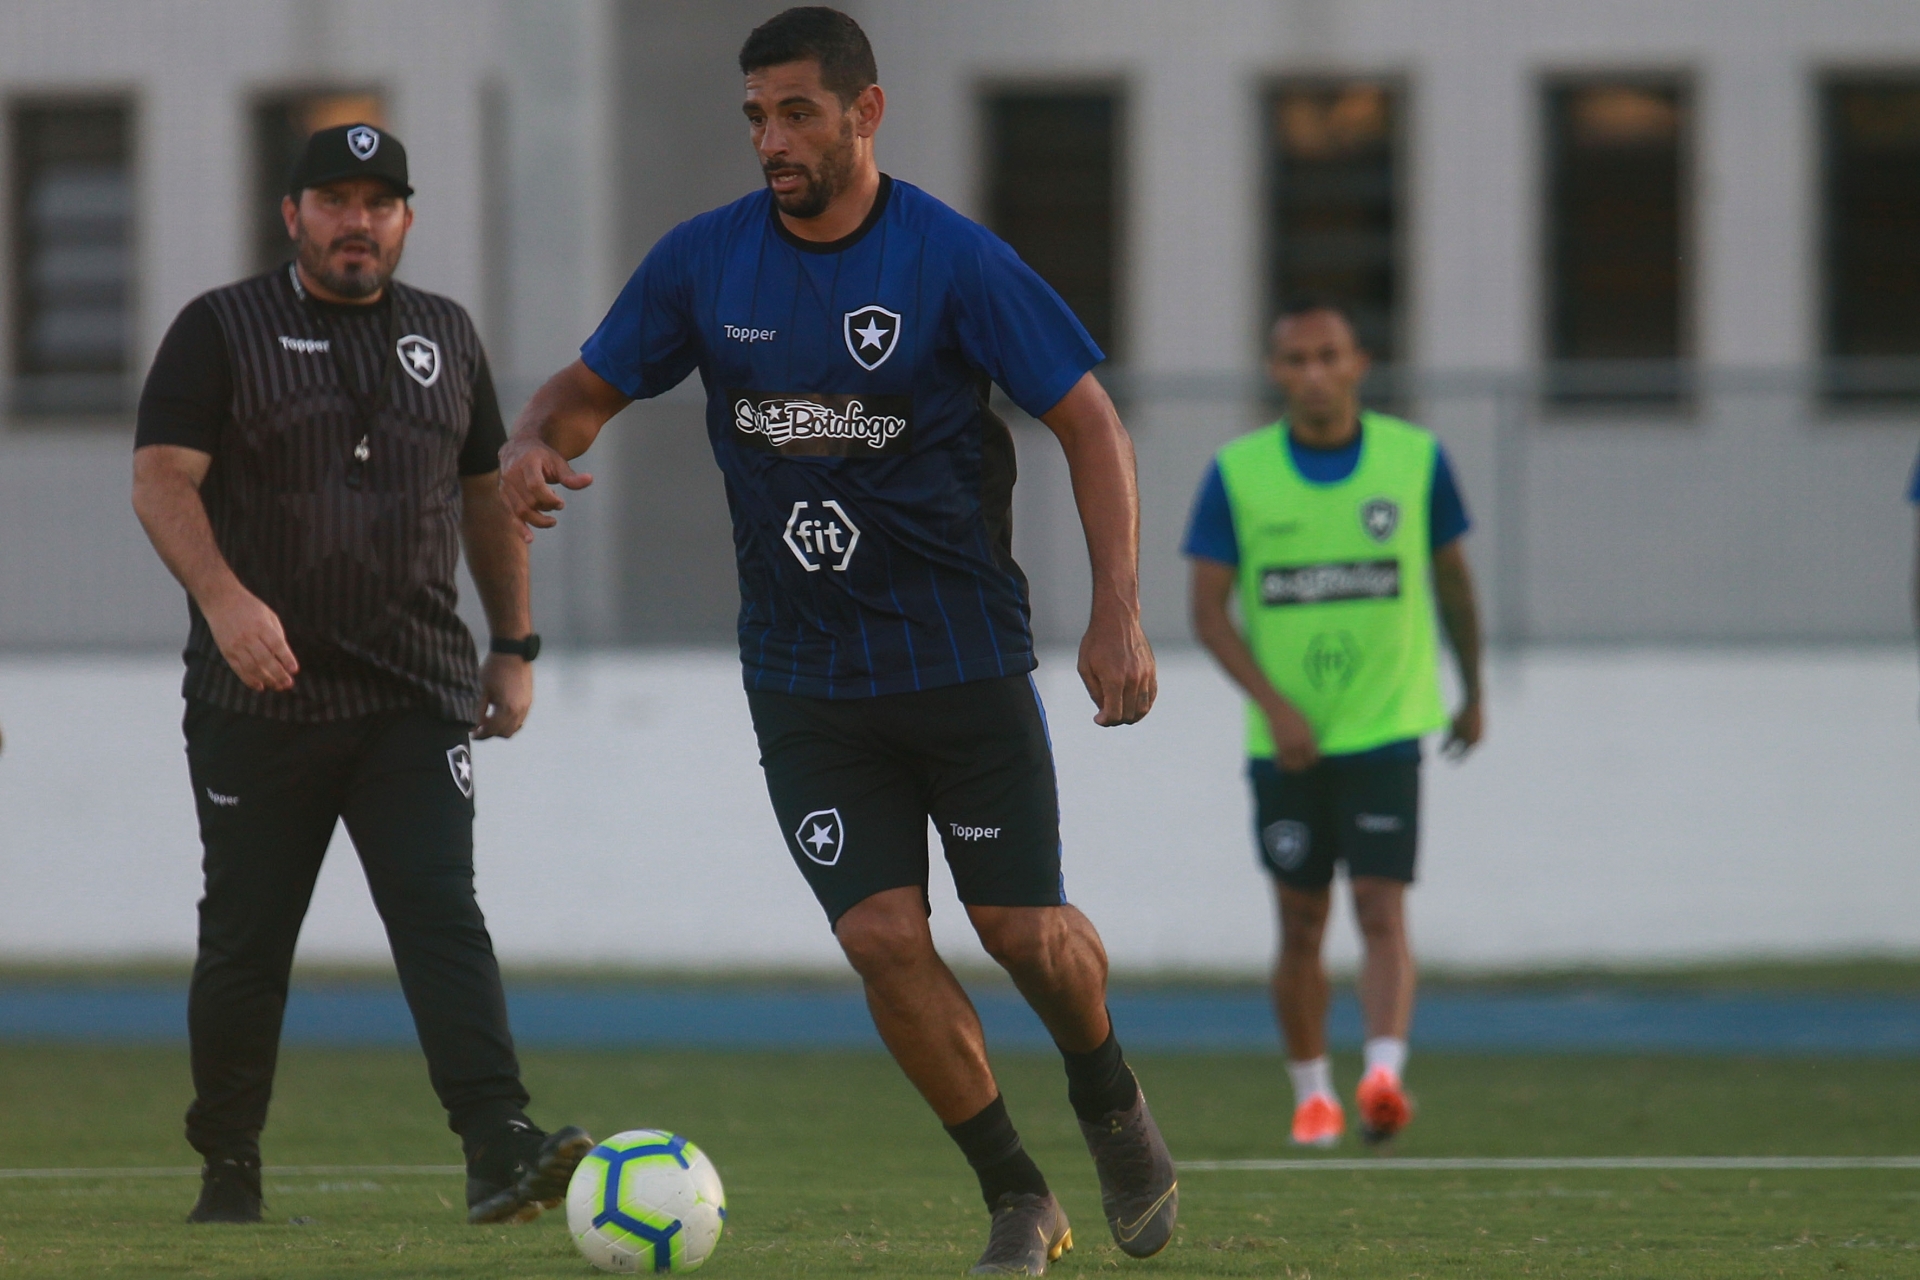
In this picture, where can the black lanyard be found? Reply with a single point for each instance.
(366, 404)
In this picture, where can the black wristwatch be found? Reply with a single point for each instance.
(529, 648)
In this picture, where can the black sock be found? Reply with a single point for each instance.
(992, 1146)
(1099, 1081)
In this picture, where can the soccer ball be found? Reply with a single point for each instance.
(646, 1200)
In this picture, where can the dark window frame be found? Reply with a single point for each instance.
(1385, 384)
(13, 305)
(1850, 384)
(266, 179)
(1658, 386)
(1118, 344)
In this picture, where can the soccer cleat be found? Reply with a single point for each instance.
(1138, 1190)
(229, 1191)
(1318, 1122)
(1029, 1231)
(523, 1172)
(1383, 1104)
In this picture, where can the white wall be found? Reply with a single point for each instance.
(1628, 806)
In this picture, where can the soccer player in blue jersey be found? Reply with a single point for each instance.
(847, 327)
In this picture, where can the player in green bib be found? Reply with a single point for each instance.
(1337, 532)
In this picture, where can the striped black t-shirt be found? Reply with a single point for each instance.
(338, 435)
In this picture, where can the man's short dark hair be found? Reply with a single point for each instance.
(1306, 304)
(814, 33)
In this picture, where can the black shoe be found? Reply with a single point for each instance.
(514, 1177)
(1028, 1232)
(1138, 1191)
(229, 1191)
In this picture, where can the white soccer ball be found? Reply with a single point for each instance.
(646, 1200)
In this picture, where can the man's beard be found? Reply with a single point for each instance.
(823, 182)
(356, 280)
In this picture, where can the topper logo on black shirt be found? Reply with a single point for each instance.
(812, 424)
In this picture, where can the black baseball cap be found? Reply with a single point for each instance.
(350, 151)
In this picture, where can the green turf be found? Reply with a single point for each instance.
(833, 1168)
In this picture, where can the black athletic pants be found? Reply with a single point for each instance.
(268, 795)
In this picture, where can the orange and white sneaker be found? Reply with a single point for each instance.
(1384, 1105)
(1318, 1122)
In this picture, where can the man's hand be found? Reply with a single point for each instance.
(1293, 741)
(252, 641)
(529, 468)
(506, 695)
(1469, 724)
(1116, 665)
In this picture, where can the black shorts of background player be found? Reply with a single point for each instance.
(298, 439)
(866, 467)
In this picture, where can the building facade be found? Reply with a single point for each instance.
(1651, 269)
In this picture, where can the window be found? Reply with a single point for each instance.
(1616, 295)
(1872, 250)
(1333, 203)
(72, 256)
(1053, 194)
(281, 125)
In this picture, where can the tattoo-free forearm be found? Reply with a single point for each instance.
(568, 410)
(496, 556)
(1212, 584)
(1459, 614)
(1106, 490)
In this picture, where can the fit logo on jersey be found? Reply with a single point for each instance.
(1325, 583)
(872, 333)
(825, 539)
(824, 426)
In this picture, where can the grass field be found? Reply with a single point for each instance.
(833, 1168)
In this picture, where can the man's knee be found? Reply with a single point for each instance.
(1020, 939)
(883, 933)
(1379, 908)
(1303, 919)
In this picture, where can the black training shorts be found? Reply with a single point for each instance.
(854, 781)
(1365, 813)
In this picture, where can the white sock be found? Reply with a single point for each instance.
(1389, 1052)
(1314, 1076)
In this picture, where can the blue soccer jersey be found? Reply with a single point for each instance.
(870, 484)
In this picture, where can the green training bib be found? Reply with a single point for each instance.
(1335, 593)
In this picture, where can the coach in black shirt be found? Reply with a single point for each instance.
(314, 445)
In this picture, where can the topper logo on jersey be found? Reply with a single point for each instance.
(816, 540)
(420, 357)
(872, 333)
(363, 142)
(821, 835)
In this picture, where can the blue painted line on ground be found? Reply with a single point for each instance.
(1163, 1020)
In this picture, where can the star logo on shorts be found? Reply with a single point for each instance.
(821, 835)
(460, 760)
(872, 333)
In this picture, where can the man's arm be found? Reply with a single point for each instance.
(166, 497)
(559, 424)
(1453, 585)
(497, 557)
(1116, 664)
(1211, 587)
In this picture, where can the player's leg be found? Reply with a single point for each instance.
(852, 803)
(267, 794)
(409, 809)
(1290, 827)
(1379, 806)
(997, 808)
